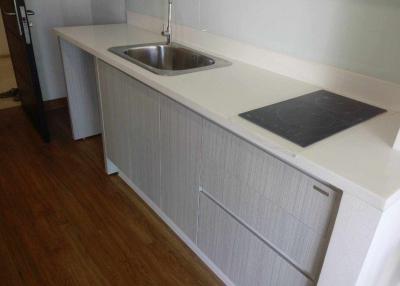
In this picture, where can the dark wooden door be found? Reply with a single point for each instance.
(17, 26)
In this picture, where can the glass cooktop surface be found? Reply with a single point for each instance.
(310, 118)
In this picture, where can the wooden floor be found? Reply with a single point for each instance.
(7, 82)
(64, 222)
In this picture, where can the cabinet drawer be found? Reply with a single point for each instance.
(287, 208)
(241, 255)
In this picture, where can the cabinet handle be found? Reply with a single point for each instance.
(318, 189)
(30, 12)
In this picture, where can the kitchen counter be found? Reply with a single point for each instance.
(360, 160)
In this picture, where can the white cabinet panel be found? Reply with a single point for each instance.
(180, 164)
(131, 115)
(83, 101)
(290, 210)
(241, 255)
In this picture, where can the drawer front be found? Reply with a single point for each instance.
(241, 255)
(290, 210)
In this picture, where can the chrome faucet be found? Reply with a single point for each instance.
(167, 32)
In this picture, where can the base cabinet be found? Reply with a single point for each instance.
(261, 221)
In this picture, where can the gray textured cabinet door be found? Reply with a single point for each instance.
(144, 128)
(131, 115)
(290, 210)
(180, 165)
(244, 258)
(114, 91)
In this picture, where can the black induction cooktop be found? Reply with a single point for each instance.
(312, 117)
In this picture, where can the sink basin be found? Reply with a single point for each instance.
(173, 59)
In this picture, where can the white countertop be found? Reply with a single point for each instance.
(360, 160)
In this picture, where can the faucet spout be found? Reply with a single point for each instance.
(167, 32)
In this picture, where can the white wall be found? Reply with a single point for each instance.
(57, 13)
(3, 40)
(108, 12)
(359, 36)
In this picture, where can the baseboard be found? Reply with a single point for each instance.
(177, 230)
(54, 104)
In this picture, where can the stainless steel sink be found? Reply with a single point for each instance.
(172, 59)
